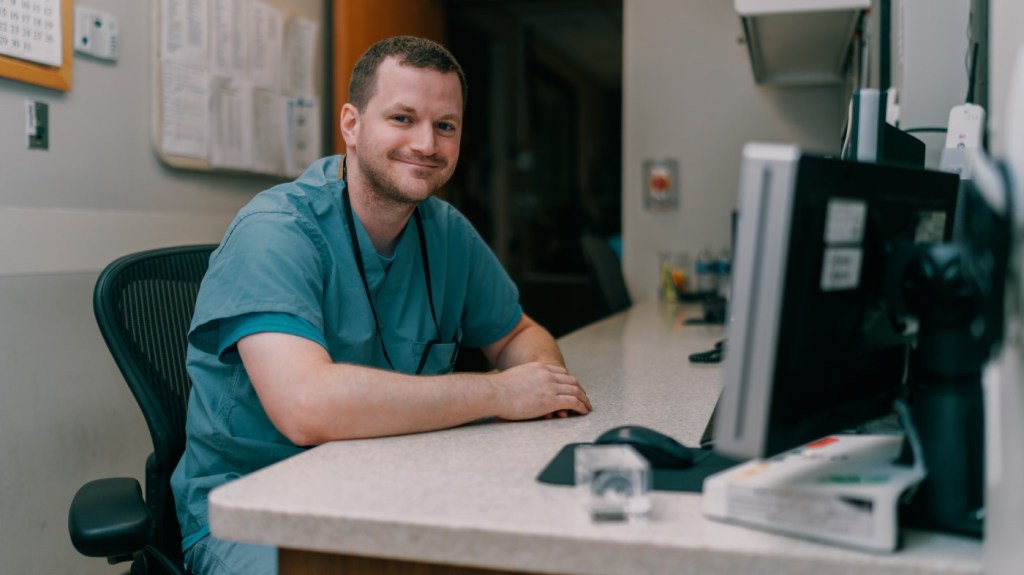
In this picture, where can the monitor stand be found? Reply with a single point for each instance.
(843, 489)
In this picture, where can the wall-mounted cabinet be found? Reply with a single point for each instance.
(800, 42)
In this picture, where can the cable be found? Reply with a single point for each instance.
(971, 75)
(907, 420)
(710, 356)
(885, 43)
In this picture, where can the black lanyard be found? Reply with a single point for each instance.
(357, 253)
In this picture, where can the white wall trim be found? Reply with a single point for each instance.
(43, 241)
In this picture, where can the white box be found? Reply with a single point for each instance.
(843, 489)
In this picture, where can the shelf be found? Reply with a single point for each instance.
(799, 42)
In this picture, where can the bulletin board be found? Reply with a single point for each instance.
(35, 42)
(237, 84)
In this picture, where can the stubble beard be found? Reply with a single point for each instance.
(385, 190)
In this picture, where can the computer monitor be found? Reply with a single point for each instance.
(814, 342)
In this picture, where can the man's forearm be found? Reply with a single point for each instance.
(358, 401)
(532, 343)
(312, 400)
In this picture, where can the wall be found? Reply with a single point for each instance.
(931, 48)
(99, 192)
(1004, 528)
(689, 94)
(1006, 37)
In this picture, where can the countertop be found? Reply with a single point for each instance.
(469, 495)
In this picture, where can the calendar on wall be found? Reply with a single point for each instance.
(35, 42)
(30, 30)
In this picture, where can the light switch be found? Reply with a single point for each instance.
(37, 125)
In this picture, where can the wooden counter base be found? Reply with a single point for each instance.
(298, 562)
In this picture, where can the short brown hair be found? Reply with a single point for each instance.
(409, 51)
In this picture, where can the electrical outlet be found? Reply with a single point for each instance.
(37, 125)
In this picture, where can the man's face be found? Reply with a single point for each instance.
(406, 141)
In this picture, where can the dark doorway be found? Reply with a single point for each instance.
(541, 153)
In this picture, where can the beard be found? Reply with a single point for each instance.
(383, 181)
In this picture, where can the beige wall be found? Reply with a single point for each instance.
(99, 192)
(689, 94)
(1006, 36)
(1004, 530)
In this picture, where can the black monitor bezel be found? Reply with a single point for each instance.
(818, 179)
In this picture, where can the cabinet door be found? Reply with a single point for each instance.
(357, 24)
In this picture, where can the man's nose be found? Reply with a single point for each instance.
(424, 141)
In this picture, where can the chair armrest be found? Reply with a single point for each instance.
(109, 518)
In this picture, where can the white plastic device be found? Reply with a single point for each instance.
(96, 34)
(963, 133)
(843, 490)
(966, 122)
(864, 125)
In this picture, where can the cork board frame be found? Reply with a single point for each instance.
(57, 78)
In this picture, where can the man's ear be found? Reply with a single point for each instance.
(349, 124)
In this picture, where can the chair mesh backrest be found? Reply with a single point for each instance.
(144, 304)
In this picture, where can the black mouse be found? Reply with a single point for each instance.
(660, 450)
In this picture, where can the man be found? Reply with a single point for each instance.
(335, 304)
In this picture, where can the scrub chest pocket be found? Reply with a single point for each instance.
(435, 357)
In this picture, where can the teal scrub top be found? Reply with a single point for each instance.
(286, 263)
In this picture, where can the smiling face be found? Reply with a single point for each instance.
(403, 146)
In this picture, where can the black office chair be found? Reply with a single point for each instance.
(606, 270)
(144, 304)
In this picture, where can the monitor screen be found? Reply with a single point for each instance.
(814, 342)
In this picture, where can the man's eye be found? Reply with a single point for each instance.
(446, 127)
(401, 118)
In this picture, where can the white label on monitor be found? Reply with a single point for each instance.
(844, 222)
(931, 227)
(840, 269)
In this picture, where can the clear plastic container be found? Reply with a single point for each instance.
(707, 276)
(613, 482)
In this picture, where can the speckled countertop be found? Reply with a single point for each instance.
(469, 495)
